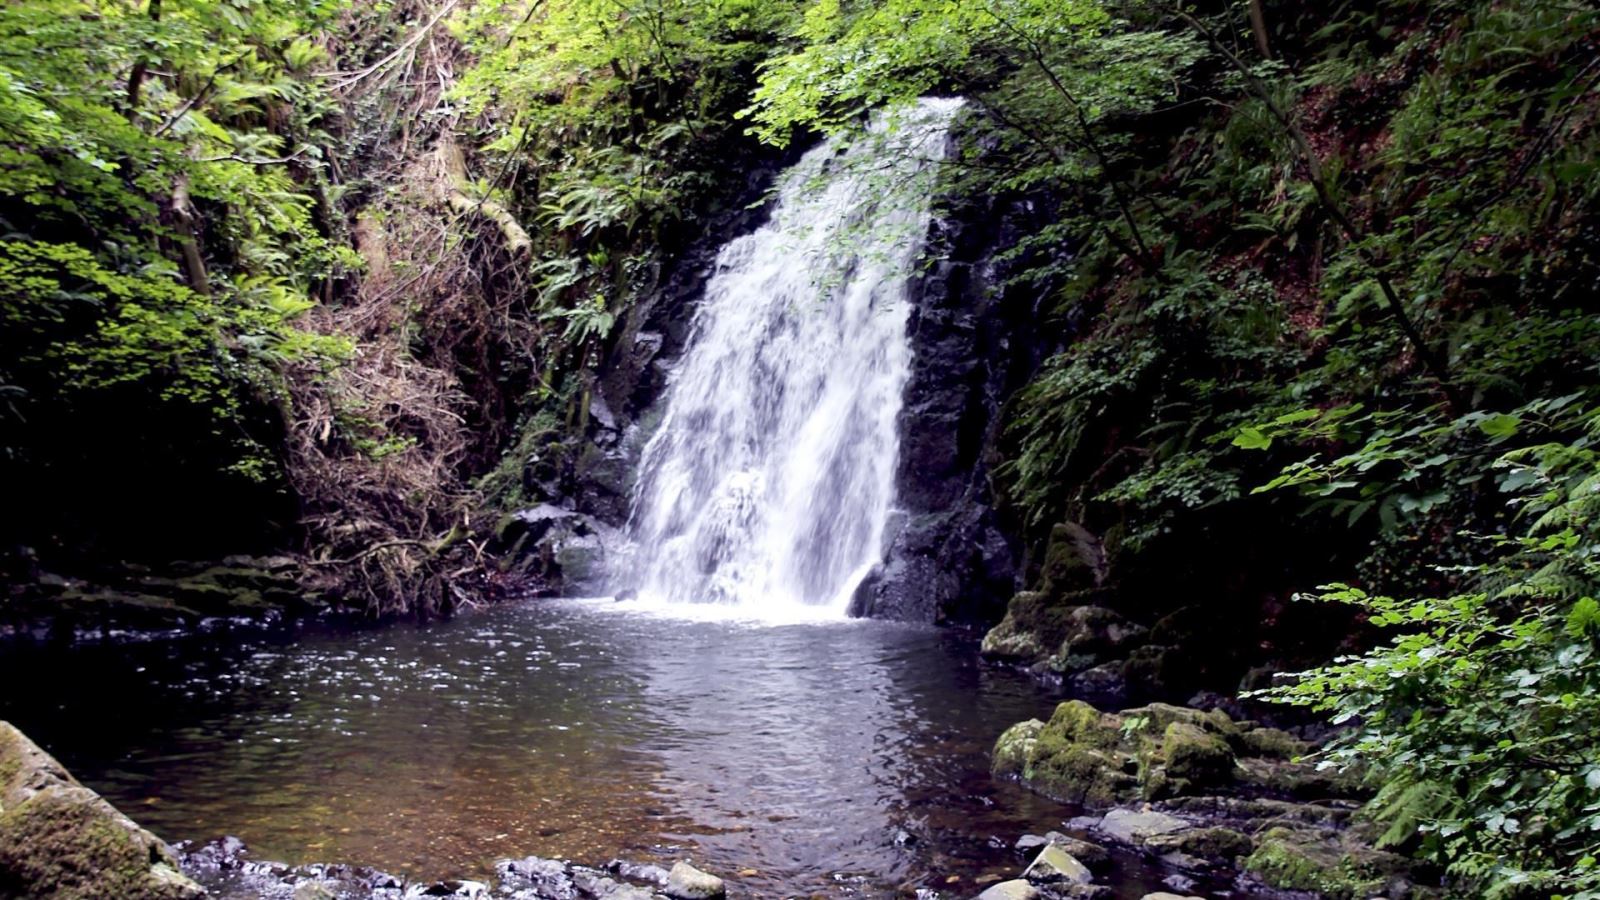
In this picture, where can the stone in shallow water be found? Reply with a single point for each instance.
(1016, 889)
(1136, 827)
(644, 871)
(545, 877)
(1056, 864)
(454, 890)
(685, 882)
(1090, 854)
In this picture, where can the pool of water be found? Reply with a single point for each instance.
(810, 757)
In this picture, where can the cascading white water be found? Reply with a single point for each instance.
(771, 478)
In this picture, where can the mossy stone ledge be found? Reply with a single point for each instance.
(61, 841)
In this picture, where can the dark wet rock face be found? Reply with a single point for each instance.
(58, 839)
(975, 341)
(552, 545)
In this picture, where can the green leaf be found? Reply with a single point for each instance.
(1500, 426)
(1252, 438)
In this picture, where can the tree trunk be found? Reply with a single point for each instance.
(1258, 27)
(183, 217)
(136, 77)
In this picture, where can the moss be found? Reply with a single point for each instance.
(10, 762)
(1077, 757)
(1015, 746)
(1216, 844)
(1272, 743)
(1149, 668)
(1039, 626)
(1013, 638)
(60, 845)
(1302, 861)
(1156, 752)
(1065, 567)
(61, 841)
(1078, 774)
(1196, 756)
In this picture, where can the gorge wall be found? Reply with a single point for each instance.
(950, 554)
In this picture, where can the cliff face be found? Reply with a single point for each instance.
(976, 338)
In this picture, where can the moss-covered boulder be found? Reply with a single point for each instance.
(1074, 560)
(61, 841)
(1336, 865)
(1186, 758)
(1083, 755)
(1077, 756)
(1061, 633)
(1015, 747)
(1215, 844)
(1157, 752)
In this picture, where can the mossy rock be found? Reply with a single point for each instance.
(1272, 743)
(1015, 637)
(1282, 778)
(1074, 560)
(1091, 635)
(1078, 758)
(1063, 633)
(1075, 757)
(1151, 669)
(1325, 862)
(1157, 752)
(1195, 757)
(1158, 717)
(1014, 748)
(1213, 844)
(61, 841)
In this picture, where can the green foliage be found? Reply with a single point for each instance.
(1478, 715)
(611, 116)
(611, 128)
(159, 186)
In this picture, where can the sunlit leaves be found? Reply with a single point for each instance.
(1488, 697)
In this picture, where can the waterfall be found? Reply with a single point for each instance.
(770, 480)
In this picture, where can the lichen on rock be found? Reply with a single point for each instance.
(60, 840)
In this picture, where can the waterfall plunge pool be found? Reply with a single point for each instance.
(846, 758)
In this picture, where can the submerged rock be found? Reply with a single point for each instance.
(58, 839)
(1016, 889)
(685, 882)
